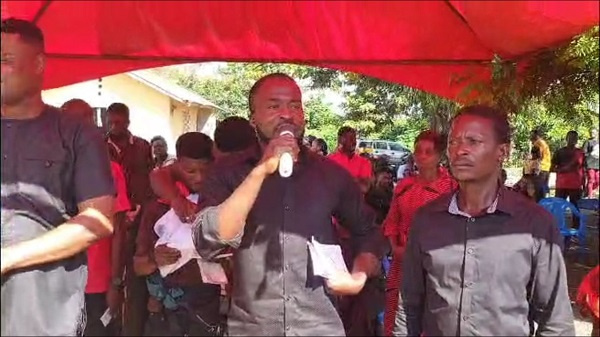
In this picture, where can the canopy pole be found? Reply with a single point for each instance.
(41, 11)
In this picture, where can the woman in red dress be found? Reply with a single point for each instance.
(410, 194)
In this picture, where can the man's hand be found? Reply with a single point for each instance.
(165, 256)
(114, 299)
(131, 215)
(276, 147)
(344, 283)
(185, 209)
(5, 260)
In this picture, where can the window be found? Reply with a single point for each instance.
(100, 117)
(397, 147)
(365, 145)
(381, 145)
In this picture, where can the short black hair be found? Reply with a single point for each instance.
(344, 130)
(573, 133)
(537, 132)
(28, 31)
(119, 109)
(234, 134)
(194, 145)
(157, 138)
(498, 118)
(322, 145)
(259, 84)
(439, 143)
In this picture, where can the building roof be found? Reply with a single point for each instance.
(171, 89)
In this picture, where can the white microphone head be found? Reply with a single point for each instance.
(286, 161)
(286, 165)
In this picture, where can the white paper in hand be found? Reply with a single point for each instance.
(327, 260)
(176, 234)
(106, 317)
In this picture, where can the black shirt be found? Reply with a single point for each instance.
(50, 164)
(274, 290)
(135, 157)
(484, 275)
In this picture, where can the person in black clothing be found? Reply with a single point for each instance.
(268, 219)
(57, 196)
(379, 195)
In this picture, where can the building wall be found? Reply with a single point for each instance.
(151, 112)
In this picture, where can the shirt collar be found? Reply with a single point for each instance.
(504, 203)
(117, 148)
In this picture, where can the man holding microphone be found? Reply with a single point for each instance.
(268, 219)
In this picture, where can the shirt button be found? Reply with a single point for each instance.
(465, 318)
(286, 267)
(287, 328)
(469, 284)
(287, 208)
(471, 220)
(4, 156)
(9, 125)
(470, 251)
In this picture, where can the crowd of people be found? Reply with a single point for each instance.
(576, 168)
(81, 253)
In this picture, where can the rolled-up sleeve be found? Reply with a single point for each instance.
(550, 296)
(216, 188)
(413, 280)
(206, 237)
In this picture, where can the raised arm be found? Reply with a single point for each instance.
(222, 224)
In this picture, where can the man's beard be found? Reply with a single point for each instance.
(264, 139)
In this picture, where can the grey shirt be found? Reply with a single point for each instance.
(485, 275)
(274, 290)
(49, 164)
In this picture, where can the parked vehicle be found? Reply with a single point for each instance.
(394, 151)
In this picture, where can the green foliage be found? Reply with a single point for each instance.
(556, 90)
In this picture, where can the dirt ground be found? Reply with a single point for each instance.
(578, 267)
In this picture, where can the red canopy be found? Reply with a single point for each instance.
(423, 44)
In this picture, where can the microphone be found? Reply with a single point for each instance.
(286, 161)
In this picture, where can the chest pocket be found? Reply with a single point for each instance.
(44, 166)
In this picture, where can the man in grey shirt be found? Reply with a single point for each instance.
(483, 261)
(268, 220)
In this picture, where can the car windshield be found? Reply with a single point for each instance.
(397, 147)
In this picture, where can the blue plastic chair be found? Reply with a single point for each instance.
(558, 207)
(589, 204)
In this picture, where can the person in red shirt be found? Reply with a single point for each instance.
(411, 194)
(567, 162)
(360, 168)
(105, 267)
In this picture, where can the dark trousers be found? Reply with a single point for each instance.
(174, 323)
(95, 306)
(574, 195)
(544, 178)
(136, 292)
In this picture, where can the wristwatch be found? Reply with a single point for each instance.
(117, 282)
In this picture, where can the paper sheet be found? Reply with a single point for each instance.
(176, 234)
(326, 259)
(106, 317)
